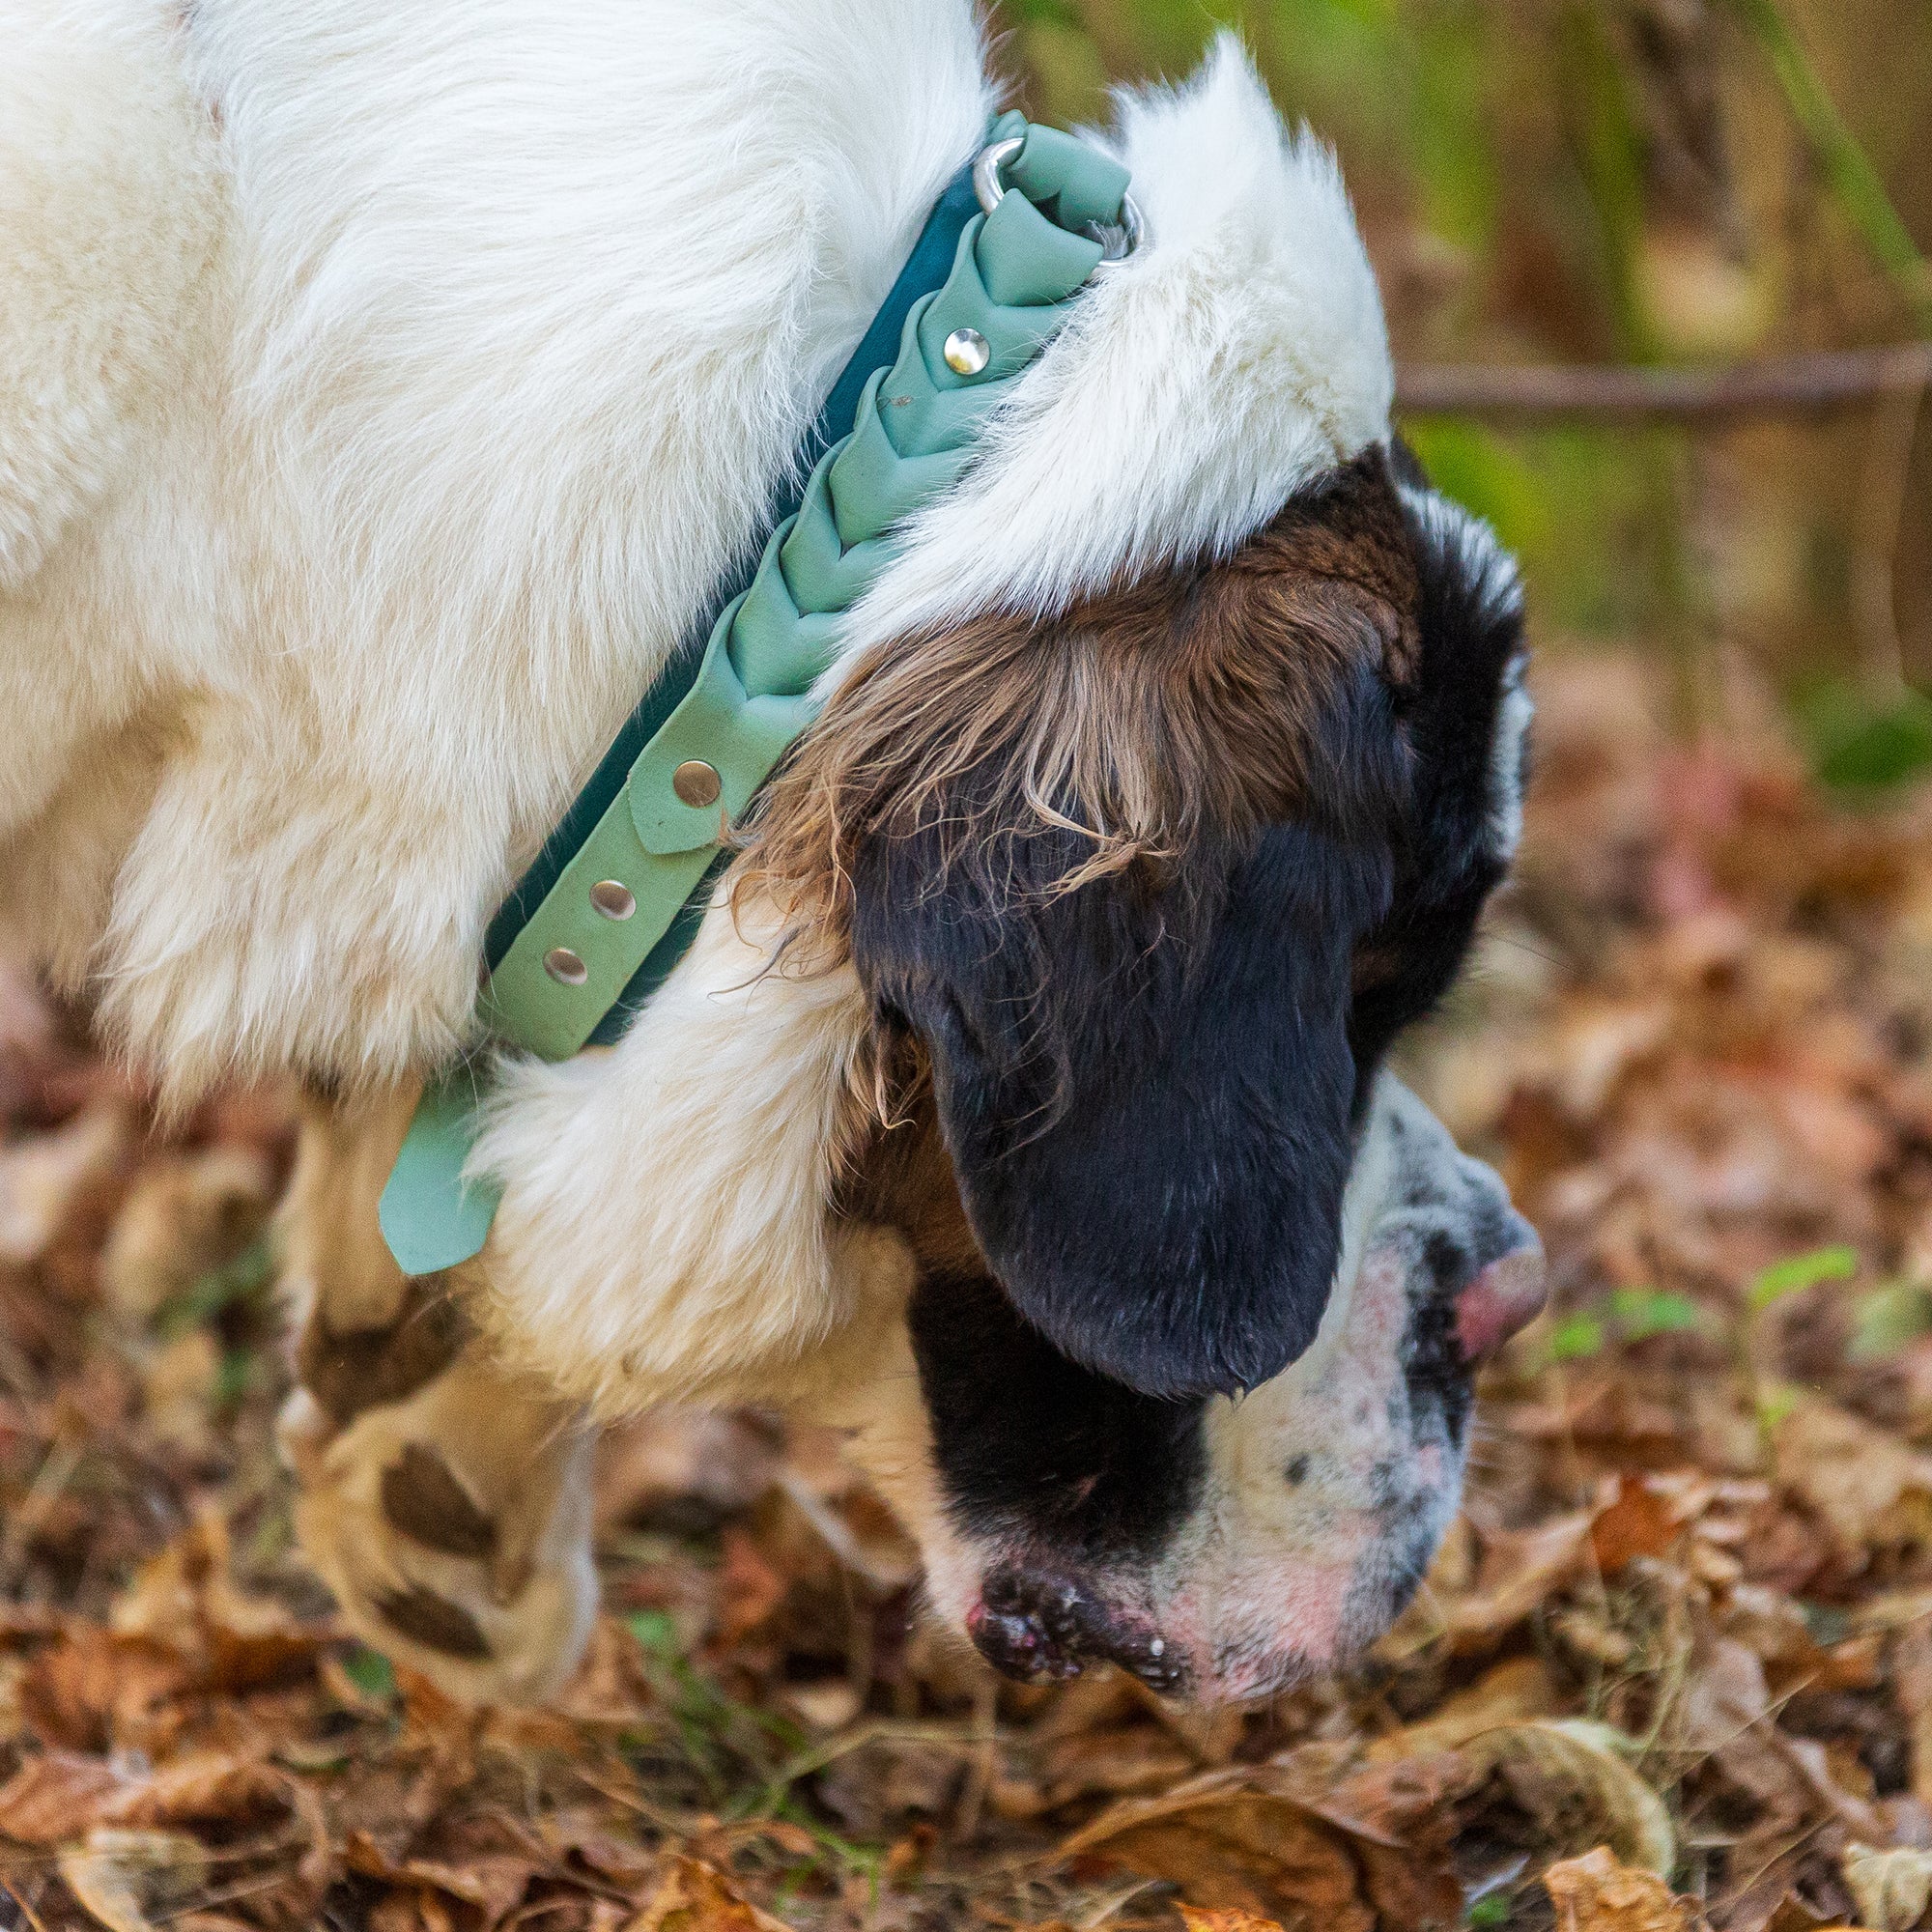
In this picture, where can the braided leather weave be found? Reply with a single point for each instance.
(915, 427)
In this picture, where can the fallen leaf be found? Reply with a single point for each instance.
(129, 1879)
(694, 1896)
(182, 1218)
(1517, 1571)
(493, 1882)
(1518, 1688)
(94, 1688)
(207, 1788)
(1596, 1894)
(1283, 1842)
(1251, 1854)
(750, 1589)
(58, 1796)
(1867, 1484)
(42, 1177)
(1203, 1918)
(185, 1599)
(1892, 1887)
(1642, 1522)
(1571, 1775)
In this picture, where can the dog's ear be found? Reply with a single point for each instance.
(1145, 1086)
(1465, 714)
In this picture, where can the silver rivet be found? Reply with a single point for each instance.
(695, 782)
(566, 967)
(966, 352)
(614, 899)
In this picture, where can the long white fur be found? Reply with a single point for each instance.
(1238, 355)
(455, 351)
(664, 1231)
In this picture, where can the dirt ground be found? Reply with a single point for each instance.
(1678, 1647)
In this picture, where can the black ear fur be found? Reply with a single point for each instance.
(1033, 1448)
(1146, 1097)
(1451, 852)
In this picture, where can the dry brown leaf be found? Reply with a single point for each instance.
(1512, 1692)
(182, 1217)
(41, 1178)
(1866, 1483)
(207, 1788)
(184, 1600)
(94, 1688)
(58, 1796)
(227, 1794)
(1253, 1854)
(1642, 1522)
(1400, 1822)
(1113, 1762)
(1570, 1775)
(1290, 1843)
(493, 1882)
(1892, 1887)
(694, 1896)
(668, 1460)
(128, 1880)
(1912, 1673)
(1518, 1570)
(1201, 1918)
(750, 1589)
(1596, 1894)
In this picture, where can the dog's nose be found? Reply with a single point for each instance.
(1033, 1624)
(1506, 1295)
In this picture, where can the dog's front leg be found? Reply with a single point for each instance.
(446, 1499)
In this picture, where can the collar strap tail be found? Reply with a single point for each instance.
(604, 919)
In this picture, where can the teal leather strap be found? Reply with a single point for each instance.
(616, 897)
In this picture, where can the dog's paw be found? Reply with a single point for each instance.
(446, 1504)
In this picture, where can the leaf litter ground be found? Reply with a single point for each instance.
(1673, 1666)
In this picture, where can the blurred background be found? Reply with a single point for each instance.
(1653, 184)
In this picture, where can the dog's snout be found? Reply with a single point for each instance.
(1507, 1295)
(1035, 1625)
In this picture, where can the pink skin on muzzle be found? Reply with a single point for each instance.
(1505, 1298)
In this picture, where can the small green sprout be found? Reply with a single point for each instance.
(1575, 1337)
(1797, 1272)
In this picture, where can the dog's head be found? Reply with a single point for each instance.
(1154, 791)
(1140, 898)
(1151, 887)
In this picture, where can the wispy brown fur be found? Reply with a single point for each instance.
(1171, 706)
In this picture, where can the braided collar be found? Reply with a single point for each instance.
(615, 897)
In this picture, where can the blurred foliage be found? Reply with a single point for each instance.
(1641, 180)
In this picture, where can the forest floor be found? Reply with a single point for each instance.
(1684, 1627)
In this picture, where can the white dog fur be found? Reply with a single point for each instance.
(384, 387)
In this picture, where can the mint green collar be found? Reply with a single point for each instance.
(620, 888)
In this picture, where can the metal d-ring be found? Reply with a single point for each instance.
(992, 190)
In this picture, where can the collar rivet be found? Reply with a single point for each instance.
(695, 782)
(966, 352)
(614, 899)
(566, 967)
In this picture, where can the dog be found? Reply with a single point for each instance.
(385, 390)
